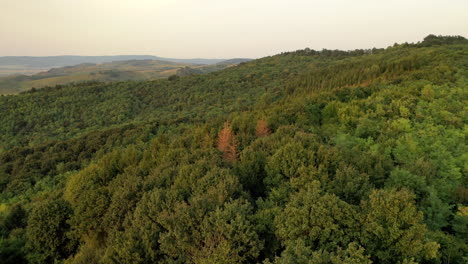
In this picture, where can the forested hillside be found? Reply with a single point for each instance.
(328, 156)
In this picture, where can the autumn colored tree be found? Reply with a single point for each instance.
(262, 129)
(227, 143)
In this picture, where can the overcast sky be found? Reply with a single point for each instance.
(219, 28)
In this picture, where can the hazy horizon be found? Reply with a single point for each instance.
(215, 29)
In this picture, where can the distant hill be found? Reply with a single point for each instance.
(60, 61)
(193, 61)
(135, 69)
(14, 65)
(234, 61)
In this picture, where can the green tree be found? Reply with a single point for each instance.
(48, 231)
(323, 221)
(393, 228)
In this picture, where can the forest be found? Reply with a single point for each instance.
(330, 156)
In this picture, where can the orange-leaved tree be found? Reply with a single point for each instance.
(262, 129)
(227, 143)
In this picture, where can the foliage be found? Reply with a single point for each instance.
(340, 157)
(227, 143)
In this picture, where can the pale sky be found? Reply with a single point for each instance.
(219, 28)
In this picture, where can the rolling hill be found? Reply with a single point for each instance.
(137, 69)
(28, 65)
(303, 157)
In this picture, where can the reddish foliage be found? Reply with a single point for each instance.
(227, 143)
(262, 129)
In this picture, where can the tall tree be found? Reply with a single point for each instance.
(227, 143)
(393, 228)
(262, 129)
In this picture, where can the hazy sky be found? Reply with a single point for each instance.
(219, 28)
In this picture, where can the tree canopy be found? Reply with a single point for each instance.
(303, 157)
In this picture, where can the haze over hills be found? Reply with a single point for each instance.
(11, 65)
(135, 69)
(68, 60)
(323, 157)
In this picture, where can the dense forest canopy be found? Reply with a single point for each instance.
(304, 157)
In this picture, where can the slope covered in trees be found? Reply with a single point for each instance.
(304, 157)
